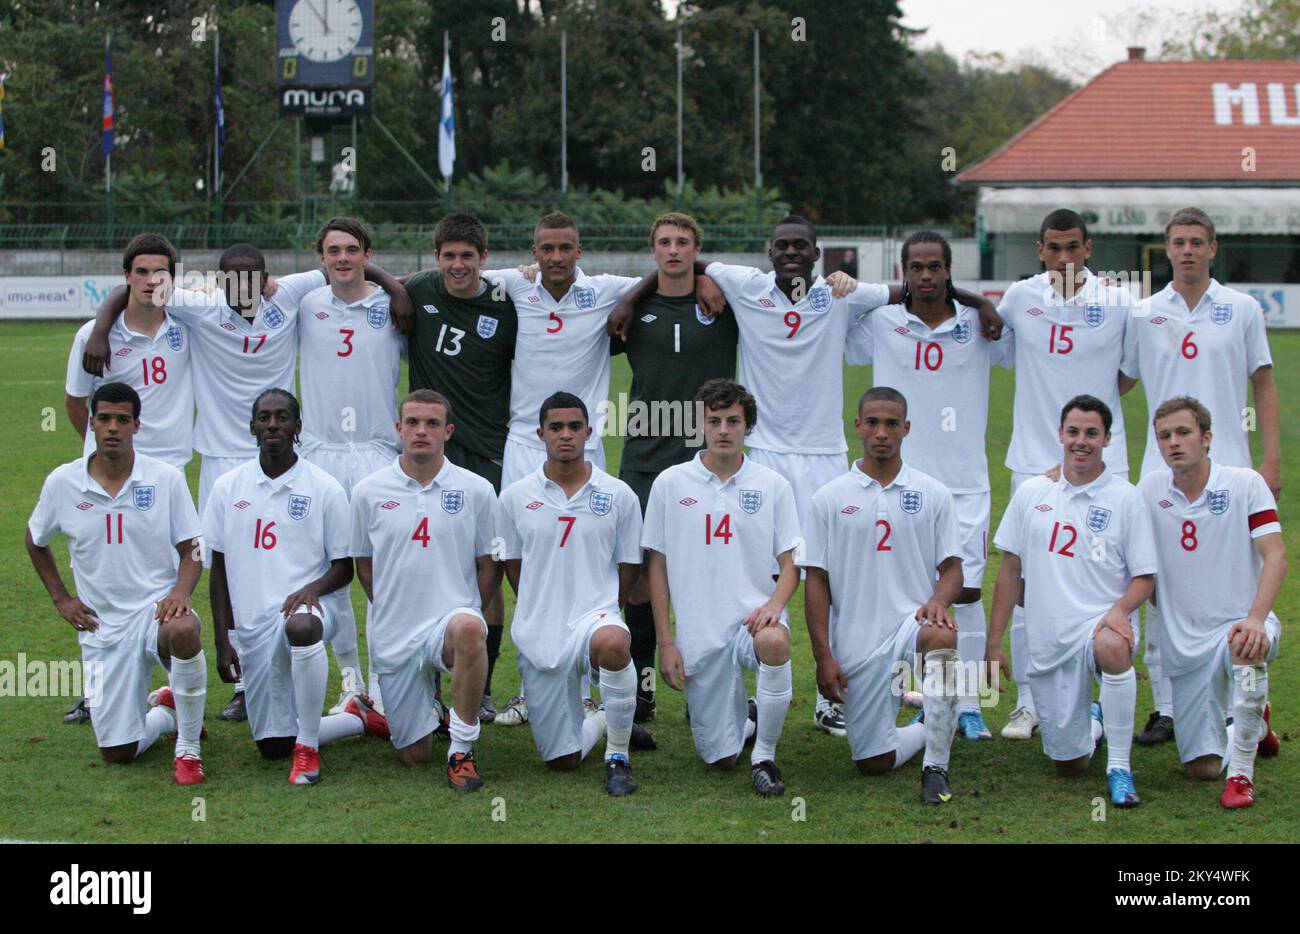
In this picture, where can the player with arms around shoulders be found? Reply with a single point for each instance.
(715, 528)
(133, 535)
(884, 565)
(571, 543)
(1083, 546)
(278, 529)
(422, 538)
(1222, 563)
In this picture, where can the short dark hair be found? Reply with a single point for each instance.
(242, 252)
(928, 236)
(1183, 404)
(113, 393)
(562, 400)
(797, 220)
(556, 220)
(1188, 217)
(1087, 403)
(425, 397)
(277, 391)
(150, 244)
(883, 394)
(460, 228)
(677, 219)
(723, 394)
(347, 225)
(1062, 219)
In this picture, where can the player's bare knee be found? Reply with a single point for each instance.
(275, 747)
(969, 595)
(303, 629)
(1205, 768)
(611, 648)
(180, 637)
(118, 755)
(468, 633)
(1072, 768)
(1112, 653)
(772, 645)
(931, 638)
(876, 765)
(565, 763)
(724, 765)
(418, 753)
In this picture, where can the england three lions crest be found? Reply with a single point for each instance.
(820, 298)
(961, 332)
(299, 506)
(144, 496)
(585, 299)
(487, 327)
(751, 500)
(1217, 500)
(377, 316)
(1098, 518)
(1220, 314)
(910, 501)
(175, 338)
(1094, 315)
(273, 317)
(453, 501)
(601, 503)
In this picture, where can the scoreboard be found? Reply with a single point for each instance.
(325, 57)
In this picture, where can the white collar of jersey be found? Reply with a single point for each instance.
(91, 485)
(289, 478)
(1211, 483)
(1088, 489)
(961, 312)
(904, 474)
(708, 476)
(597, 479)
(580, 279)
(364, 302)
(1170, 297)
(1083, 293)
(785, 299)
(440, 479)
(127, 335)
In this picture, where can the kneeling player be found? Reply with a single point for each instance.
(422, 539)
(1084, 548)
(571, 543)
(879, 535)
(279, 524)
(132, 531)
(1222, 562)
(715, 528)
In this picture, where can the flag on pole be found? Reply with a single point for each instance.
(106, 126)
(447, 122)
(2, 112)
(220, 108)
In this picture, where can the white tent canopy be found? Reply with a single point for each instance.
(1141, 210)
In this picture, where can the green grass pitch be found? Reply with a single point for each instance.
(53, 785)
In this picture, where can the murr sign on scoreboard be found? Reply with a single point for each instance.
(325, 57)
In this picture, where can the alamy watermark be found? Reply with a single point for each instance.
(55, 678)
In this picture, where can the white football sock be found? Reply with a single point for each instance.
(1020, 659)
(593, 728)
(338, 726)
(618, 691)
(1250, 683)
(750, 728)
(189, 683)
(775, 688)
(971, 642)
(822, 703)
(911, 740)
(233, 636)
(463, 735)
(1118, 704)
(1162, 689)
(1097, 730)
(157, 721)
(310, 670)
(940, 705)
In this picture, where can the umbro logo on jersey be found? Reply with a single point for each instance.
(1043, 507)
(322, 315)
(1165, 504)
(534, 299)
(535, 504)
(243, 504)
(850, 510)
(227, 325)
(429, 309)
(123, 352)
(83, 505)
(1035, 312)
(902, 330)
(767, 303)
(688, 501)
(1159, 319)
(391, 504)
(649, 319)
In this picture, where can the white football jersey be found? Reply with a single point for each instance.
(1208, 353)
(123, 547)
(1079, 549)
(1209, 569)
(561, 346)
(234, 360)
(790, 356)
(570, 549)
(158, 369)
(944, 375)
(881, 548)
(277, 536)
(423, 542)
(351, 362)
(1063, 349)
(720, 542)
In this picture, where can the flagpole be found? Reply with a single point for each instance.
(446, 57)
(758, 152)
(216, 134)
(108, 157)
(564, 118)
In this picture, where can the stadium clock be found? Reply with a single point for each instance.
(325, 56)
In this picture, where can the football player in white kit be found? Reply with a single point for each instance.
(721, 518)
(930, 347)
(133, 536)
(422, 531)
(279, 531)
(1222, 563)
(1069, 331)
(1084, 549)
(571, 542)
(884, 564)
(1199, 338)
